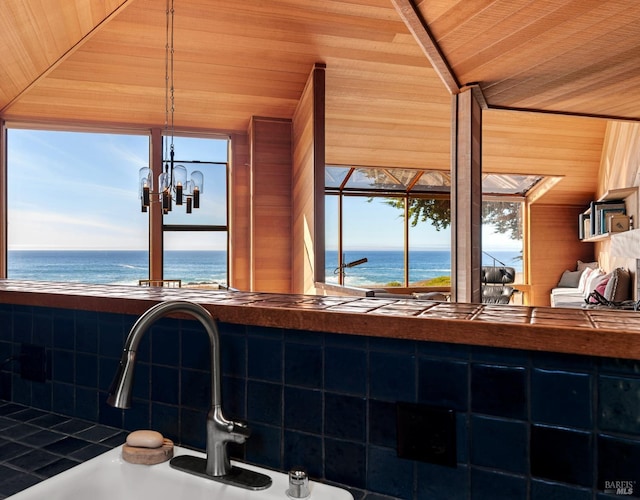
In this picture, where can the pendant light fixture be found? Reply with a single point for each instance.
(174, 183)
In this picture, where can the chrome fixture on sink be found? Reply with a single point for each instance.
(220, 431)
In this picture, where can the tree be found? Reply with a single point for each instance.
(505, 216)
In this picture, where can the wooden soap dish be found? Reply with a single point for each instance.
(148, 456)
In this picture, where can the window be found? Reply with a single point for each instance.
(68, 195)
(399, 220)
(195, 244)
(74, 212)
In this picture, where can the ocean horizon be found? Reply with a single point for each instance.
(210, 266)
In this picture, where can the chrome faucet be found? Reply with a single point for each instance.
(220, 431)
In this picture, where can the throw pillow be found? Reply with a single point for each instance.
(592, 281)
(617, 289)
(582, 284)
(602, 286)
(586, 265)
(570, 279)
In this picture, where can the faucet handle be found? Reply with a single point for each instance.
(298, 483)
(240, 429)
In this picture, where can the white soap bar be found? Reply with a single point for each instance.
(145, 439)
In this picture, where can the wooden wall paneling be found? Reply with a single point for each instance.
(308, 185)
(553, 247)
(620, 166)
(271, 235)
(533, 143)
(240, 213)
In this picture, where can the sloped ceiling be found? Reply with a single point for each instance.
(103, 64)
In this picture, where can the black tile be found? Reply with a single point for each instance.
(264, 402)
(233, 396)
(165, 343)
(56, 467)
(618, 460)
(165, 384)
(63, 396)
(544, 490)
(116, 440)
(619, 405)
(64, 329)
(19, 431)
(303, 410)
(66, 446)
(382, 423)
(50, 420)
(165, 419)
(12, 450)
(303, 450)
(499, 390)
(193, 426)
(63, 369)
(33, 460)
(27, 414)
(392, 376)
(499, 444)
(427, 433)
(388, 474)
(265, 446)
(86, 403)
(6, 473)
(443, 383)
(72, 426)
(488, 485)
(86, 331)
(195, 388)
(345, 417)
(86, 370)
(97, 433)
(345, 370)
(42, 438)
(233, 353)
(265, 359)
(19, 482)
(561, 398)
(347, 464)
(442, 483)
(303, 365)
(89, 452)
(6, 423)
(561, 455)
(11, 408)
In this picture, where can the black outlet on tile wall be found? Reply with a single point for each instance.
(426, 433)
(33, 363)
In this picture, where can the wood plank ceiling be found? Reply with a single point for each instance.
(102, 63)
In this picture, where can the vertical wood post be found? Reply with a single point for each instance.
(4, 248)
(466, 198)
(156, 243)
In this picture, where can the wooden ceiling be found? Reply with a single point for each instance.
(103, 64)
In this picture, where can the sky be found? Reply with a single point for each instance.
(79, 191)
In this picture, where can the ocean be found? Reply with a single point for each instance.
(127, 267)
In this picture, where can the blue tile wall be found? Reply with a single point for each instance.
(529, 425)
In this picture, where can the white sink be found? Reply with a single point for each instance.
(108, 477)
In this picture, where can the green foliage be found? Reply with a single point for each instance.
(505, 216)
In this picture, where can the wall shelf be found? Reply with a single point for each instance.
(627, 195)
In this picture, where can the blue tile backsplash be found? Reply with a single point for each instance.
(528, 425)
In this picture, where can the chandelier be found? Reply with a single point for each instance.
(174, 183)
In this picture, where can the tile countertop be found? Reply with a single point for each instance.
(598, 332)
(35, 445)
